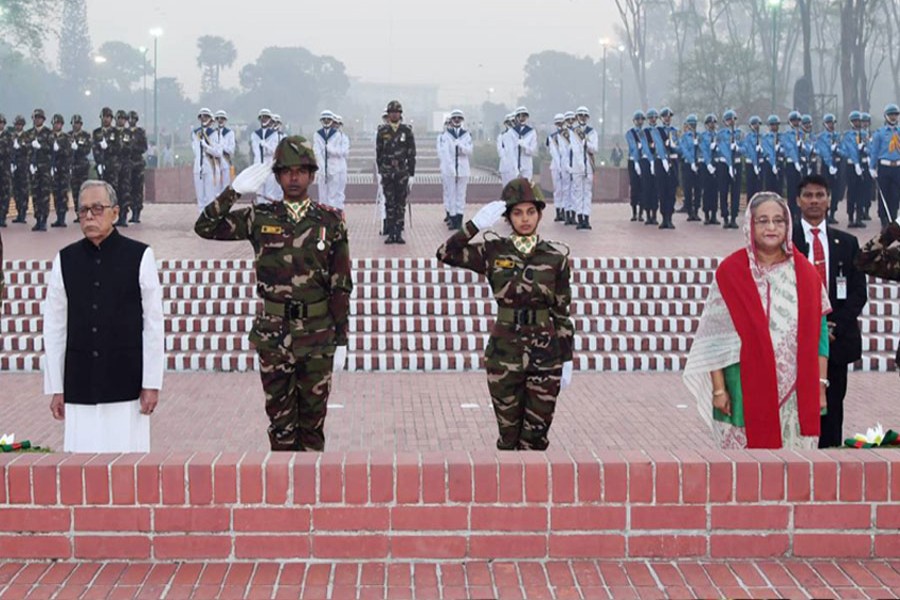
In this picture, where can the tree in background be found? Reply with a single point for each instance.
(74, 42)
(214, 54)
(25, 23)
(557, 82)
(124, 66)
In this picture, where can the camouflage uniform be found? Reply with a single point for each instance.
(303, 276)
(81, 166)
(5, 174)
(123, 187)
(395, 154)
(880, 257)
(20, 157)
(61, 171)
(532, 336)
(40, 165)
(137, 149)
(108, 160)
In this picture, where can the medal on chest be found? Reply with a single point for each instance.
(320, 245)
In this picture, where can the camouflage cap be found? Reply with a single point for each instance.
(19, 120)
(295, 151)
(521, 190)
(76, 119)
(394, 106)
(133, 114)
(38, 114)
(58, 118)
(121, 114)
(106, 112)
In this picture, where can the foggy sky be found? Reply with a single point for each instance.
(466, 46)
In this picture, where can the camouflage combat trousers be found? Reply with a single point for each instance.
(137, 186)
(524, 402)
(20, 191)
(296, 390)
(41, 184)
(80, 174)
(5, 190)
(396, 188)
(61, 184)
(123, 189)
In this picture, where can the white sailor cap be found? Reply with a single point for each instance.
(205, 112)
(276, 118)
(582, 110)
(326, 114)
(559, 117)
(221, 114)
(265, 112)
(569, 115)
(509, 117)
(521, 111)
(457, 113)
(339, 119)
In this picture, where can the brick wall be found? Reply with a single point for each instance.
(450, 506)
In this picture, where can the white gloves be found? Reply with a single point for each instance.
(251, 179)
(637, 168)
(653, 167)
(33, 169)
(378, 175)
(713, 146)
(566, 379)
(832, 170)
(756, 169)
(16, 144)
(774, 169)
(665, 164)
(711, 168)
(55, 147)
(858, 169)
(797, 166)
(734, 147)
(74, 145)
(873, 173)
(103, 144)
(489, 214)
(340, 358)
(412, 180)
(694, 167)
(35, 144)
(100, 170)
(12, 168)
(731, 171)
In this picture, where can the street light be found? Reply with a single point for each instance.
(99, 59)
(144, 51)
(605, 43)
(775, 5)
(621, 50)
(156, 32)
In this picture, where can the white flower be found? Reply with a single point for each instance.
(9, 438)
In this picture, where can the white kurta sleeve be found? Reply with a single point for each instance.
(154, 339)
(56, 310)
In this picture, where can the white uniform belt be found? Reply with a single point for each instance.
(889, 163)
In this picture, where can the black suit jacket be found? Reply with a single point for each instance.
(842, 250)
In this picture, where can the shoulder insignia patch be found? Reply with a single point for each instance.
(272, 229)
(504, 263)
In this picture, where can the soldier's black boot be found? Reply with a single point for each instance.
(713, 220)
(447, 217)
(459, 221)
(3, 222)
(559, 216)
(580, 219)
(41, 224)
(20, 218)
(123, 217)
(389, 232)
(587, 222)
(633, 214)
(135, 215)
(60, 220)
(570, 218)
(398, 236)
(641, 215)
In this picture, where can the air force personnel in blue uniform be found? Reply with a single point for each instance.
(884, 167)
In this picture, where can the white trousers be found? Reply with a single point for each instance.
(558, 199)
(224, 177)
(205, 187)
(507, 176)
(112, 427)
(455, 193)
(333, 189)
(582, 192)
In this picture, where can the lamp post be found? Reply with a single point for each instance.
(621, 50)
(775, 5)
(144, 51)
(156, 32)
(605, 43)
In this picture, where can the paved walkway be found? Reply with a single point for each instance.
(592, 580)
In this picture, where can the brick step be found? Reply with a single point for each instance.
(417, 342)
(426, 325)
(15, 362)
(485, 307)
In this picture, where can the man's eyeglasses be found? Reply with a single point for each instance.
(96, 210)
(766, 222)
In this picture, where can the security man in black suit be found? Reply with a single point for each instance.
(833, 253)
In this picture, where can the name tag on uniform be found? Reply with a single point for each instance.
(504, 263)
(841, 285)
(272, 229)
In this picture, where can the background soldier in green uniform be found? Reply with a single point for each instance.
(21, 154)
(60, 170)
(107, 149)
(81, 149)
(137, 149)
(123, 187)
(880, 257)
(303, 277)
(395, 153)
(5, 169)
(40, 138)
(529, 354)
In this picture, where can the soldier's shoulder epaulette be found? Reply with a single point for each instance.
(560, 247)
(338, 213)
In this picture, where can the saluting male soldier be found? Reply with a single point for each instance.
(107, 149)
(60, 169)
(303, 276)
(5, 169)
(138, 165)
(81, 166)
(395, 152)
(40, 139)
(21, 154)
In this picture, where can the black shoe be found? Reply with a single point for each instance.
(446, 217)
(580, 222)
(384, 228)
(77, 220)
(587, 222)
(865, 217)
(135, 216)
(854, 224)
(41, 224)
(633, 218)
(713, 221)
(398, 238)
(832, 221)
(390, 239)
(693, 217)
(19, 219)
(560, 217)
(2, 222)
(570, 217)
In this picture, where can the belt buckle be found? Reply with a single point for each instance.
(524, 317)
(296, 310)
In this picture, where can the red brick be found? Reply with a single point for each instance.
(668, 517)
(350, 546)
(749, 546)
(798, 477)
(887, 546)
(408, 479)
(191, 546)
(747, 474)
(508, 546)
(512, 478)
(895, 481)
(772, 475)
(721, 476)
(876, 480)
(508, 518)
(39, 547)
(587, 518)
(587, 546)
(250, 478)
(887, 516)
(832, 545)
(588, 477)
(562, 477)
(833, 516)
(123, 479)
(615, 476)
(213, 519)
(427, 546)
(331, 478)
(71, 479)
(851, 488)
(305, 477)
(667, 483)
(356, 478)
(40, 520)
(381, 481)
(459, 477)
(429, 518)
(148, 478)
(96, 479)
(100, 547)
(44, 479)
(278, 477)
(351, 519)
(694, 482)
(271, 546)
(666, 546)
(135, 519)
(486, 476)
(173, 476)
(271, 519)
(225, 478)
(537, 477)
(640, 477)
(750, 517)
(824, 478)
(200, 478)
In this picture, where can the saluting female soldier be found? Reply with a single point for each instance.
(529, 354)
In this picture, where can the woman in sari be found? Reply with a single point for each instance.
(759, 360)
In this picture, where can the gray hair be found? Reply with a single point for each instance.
(92, 183)
(763, 197)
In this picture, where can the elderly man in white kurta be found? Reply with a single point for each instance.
(103, 333)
